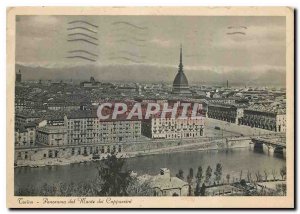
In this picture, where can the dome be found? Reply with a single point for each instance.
(180, 80)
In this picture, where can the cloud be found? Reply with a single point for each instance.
(37, 26)
(41, 40)
(254, 37)
(38, 21)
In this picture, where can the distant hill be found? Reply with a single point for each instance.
(151, 73)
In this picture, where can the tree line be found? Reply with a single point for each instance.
(202, 179)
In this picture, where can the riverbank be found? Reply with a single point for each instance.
(233, 161)
(197, 146)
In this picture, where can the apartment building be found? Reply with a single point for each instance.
(25, 135)
(84, 127)
(224, 112)
(52, 135)
(173, 128)
(259, 118)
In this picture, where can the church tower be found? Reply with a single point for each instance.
(180, 83)
(19, 76)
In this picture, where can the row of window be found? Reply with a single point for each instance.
(102, 128)
(83, 122)
(97, 140)
(176, 136)
(96, 150)
(77, 151)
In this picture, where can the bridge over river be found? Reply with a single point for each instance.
(270, 144)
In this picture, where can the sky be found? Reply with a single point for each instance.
(220, 44)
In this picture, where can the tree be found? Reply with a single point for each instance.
(190, 190)
(189, 179)
(180, 174)
(281, 189)
(228, 178)
(138, 188)
(218, 172)
(243, 182)
(202, 190)
(191, 173)
(258, 176)
(197, 190)
(199, 175)
(208, 174)
(190, 176)
(266, 175)
(274, 174)
(241, 175)
(249, 176)
(233, 179)
(283, 172)
(114, 179)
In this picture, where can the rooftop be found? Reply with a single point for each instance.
(164, 183)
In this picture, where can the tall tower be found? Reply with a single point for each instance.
(180, 67)
(180, 83)
(19, 76)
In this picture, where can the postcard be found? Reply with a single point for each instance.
(150, 107)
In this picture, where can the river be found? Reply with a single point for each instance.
(233, 162)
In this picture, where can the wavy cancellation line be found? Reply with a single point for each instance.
(129, 24)
(236, 27)
(81, 57)
(83, 28)
(82, 34)
(130, 38)
(126, 58)
(84, 22)
(233, 33)
(82, 40)
(82, 51)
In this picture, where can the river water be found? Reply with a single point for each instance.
(233, 162)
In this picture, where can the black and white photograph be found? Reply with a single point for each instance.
(171, 106)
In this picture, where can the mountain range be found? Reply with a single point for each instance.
(150, 73)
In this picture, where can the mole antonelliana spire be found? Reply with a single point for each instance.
(180, 84)
(180, 63)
